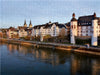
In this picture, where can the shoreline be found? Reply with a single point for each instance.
(67, 47)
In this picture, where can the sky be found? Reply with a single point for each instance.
(14, 12)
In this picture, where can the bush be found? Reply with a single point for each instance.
(1, 35)
(58, 39)
(4, 36)
(47, 38)
(27, 38)
(36, 38)
(83, 41)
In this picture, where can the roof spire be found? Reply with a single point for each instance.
(30, 25)
(30, 22)
(24, 22)
(25, 25)
(49, 22)
(94, 14)
(73, 15)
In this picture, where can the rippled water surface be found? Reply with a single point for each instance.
(23, 60)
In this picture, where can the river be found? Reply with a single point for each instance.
(26, 60)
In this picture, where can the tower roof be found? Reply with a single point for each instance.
(25, 25)
(24, 22)
(30, 25)
(30, 22)
(73, 17)
(94, 16)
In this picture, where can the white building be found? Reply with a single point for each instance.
(85, 26)
(52, 29)
(12, 32)
(24, 30)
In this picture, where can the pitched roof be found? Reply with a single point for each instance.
(67, 24)
(37, 26)
(49, 25)
(86, 20)
(13, 29)
(28, 29)
(56, 23)
(73, 19)
(61, 25)
(83, 19)
(21, 27)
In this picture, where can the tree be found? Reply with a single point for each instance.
(1, 35)
(62, 33)
(37, 38)
(47, 37)
(27, 37)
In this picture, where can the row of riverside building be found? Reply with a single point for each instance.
(83, 27)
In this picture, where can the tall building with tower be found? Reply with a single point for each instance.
(25, 25)
(73, 29)
(30, 25)
(85, 26)
(25, 30)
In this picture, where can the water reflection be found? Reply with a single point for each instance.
(43, 55)
(77, 64)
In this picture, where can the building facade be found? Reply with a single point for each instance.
(24, 31)
(85, 26)
(52, 29)
(12, 32)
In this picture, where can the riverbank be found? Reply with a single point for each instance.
(73, 48)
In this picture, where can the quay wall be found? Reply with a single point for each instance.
(73, 48)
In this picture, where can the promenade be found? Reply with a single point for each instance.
(70, 47)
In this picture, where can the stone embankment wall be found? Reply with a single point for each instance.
(73, 48)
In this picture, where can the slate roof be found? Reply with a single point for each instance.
(83, 20)
(49, 25)
(38, 26)
(67, 24)
(28, 29)
(86, 20)
(61, 25)
(13, 29)
(73, 19)
(22, 27)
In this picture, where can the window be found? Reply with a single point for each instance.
(86, 27)
(54, 30)
(81, 34)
